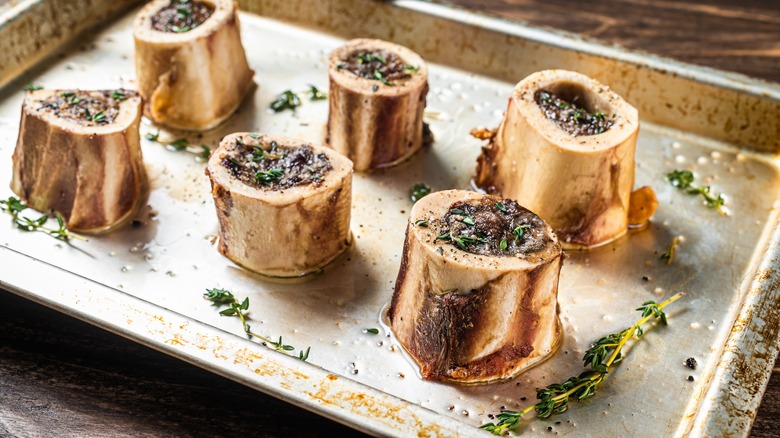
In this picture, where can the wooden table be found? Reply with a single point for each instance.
(62, 377)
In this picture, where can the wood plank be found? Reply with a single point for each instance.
(733, 35)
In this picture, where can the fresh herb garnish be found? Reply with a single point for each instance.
(519, 231)
(100, 116)
(180, 29)
(422, 223)
(380, 77)
(603, 354)
(269, 176)
(179, 144)
(372, 331)
(669, 254)
(503, 245)
(365, 58)
(14, 206)
(32, 87)
(201, 152)
(411, 69)
(288, 100)
(683, 180)
(468, 220)
(501, 206)
(225, 297)
(419, 191)
(118, 95)
(316, 94)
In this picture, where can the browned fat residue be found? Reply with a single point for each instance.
(262, 367)
(486, 166)
(173, 341)
(332, 377)
(362, 404)
(444, 328)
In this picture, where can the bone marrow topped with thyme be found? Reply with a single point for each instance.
(571, 117)
(79, 153)
(377, 97)
(191, 66)
(181, 16)
(87, 108)
(475, 299)
(565, 150)
(493, 228)
(283, 205)
(274, 167)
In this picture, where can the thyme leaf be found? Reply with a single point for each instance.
(118, 95)
(201, 152)
(316, 94)
(239, 309)
(603, 354)
(288, 100)
(419, 191)
(269, 176)
(519, 231)
(683, 180)
(32, 87)
(15, 206)
(380, 77)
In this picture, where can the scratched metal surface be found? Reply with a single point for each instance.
(145, 283)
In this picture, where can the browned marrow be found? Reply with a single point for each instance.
(565, 150)
(283, 205)
(475, 300)
(191, 67)
(79, 153)
(377, 99)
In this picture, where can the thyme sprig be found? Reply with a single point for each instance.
(15, 206)
(668, 256)
(290, 100)
(269, 176)
(603, 354)
(683, 180)
(238, 308)
(201, 152)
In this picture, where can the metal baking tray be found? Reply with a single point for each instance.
(146, 282)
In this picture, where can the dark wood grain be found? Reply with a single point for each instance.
(65, 378)
(61, 377)
(735, 35)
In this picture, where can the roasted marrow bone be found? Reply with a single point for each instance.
(79, 153)
(283, 205)
(377, 99)
(191, 67)
(475, 300)
(565, 150)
